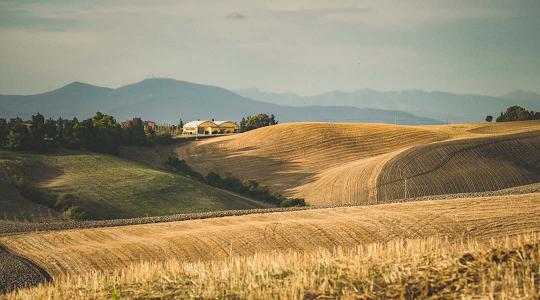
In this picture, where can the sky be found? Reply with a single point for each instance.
(308, 47)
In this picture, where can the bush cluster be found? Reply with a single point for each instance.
(249, 188)
(517, 113)
(177, 165)
(257, 121)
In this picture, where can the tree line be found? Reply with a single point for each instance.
(101, 133)
(249, 188)
(515, 113)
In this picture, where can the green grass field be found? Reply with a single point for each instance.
(109, 187)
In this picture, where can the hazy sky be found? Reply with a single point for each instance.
(485, 47)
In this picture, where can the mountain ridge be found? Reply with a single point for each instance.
(459, 108)
(168, 100)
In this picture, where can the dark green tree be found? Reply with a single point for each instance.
(3, 132)
(37, 130)
(50, 131)
(133, 133)
(257, 121)
(106, 134)
(517, 113)
(273, 120)
(243, 125)
(14, 140)
(18, 137)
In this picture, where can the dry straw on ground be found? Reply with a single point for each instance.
(502, 268)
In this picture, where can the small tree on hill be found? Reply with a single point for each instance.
(489, 118)
(257, 121)
(4, 129)
(517, 113)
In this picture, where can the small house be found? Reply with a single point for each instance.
(227, 126)
(201, 127)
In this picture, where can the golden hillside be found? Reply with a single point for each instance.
(327, 163)
(106, 249)
(288, 156)
(462, 166)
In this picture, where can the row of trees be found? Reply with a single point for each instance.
(257, 121)
(515, 113)
(100, 133)
(249, 188)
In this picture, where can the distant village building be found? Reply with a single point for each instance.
(126, 123)
(147, 124)
(150, 124)
(227, 126)
(200, 127)
(209, 127)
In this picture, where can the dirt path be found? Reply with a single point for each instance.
(18, 272)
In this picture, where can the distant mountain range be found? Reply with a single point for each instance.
(455, 108)
(168, 100)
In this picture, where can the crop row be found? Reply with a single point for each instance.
(462, 166)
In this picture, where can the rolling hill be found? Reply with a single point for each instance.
(341, 163)
(76, 252)
(457, 108)
(106, 187)
(462, 166)
(288, 156)
(168, 100)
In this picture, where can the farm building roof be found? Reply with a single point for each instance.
(197, 123)
(219, 123)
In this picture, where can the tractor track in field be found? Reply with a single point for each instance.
(18, 272)
(386, 181)
(487, 143)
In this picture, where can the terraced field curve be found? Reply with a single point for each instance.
(106, 249)
(462, 166)
(292, 158)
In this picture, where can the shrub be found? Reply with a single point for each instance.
(214, 179)
(180, 166)
(518, 113)
(250, 188)
(257, 121)
(73, 213)
(64, 201)
(293, 202)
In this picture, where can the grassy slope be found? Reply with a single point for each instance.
(503, 268)
(111, 187)
(106, 249)
(13, 206)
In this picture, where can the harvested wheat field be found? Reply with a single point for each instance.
(73, 252)
(328, 163)
(290, 158)
(502, 268)
(462, 166)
